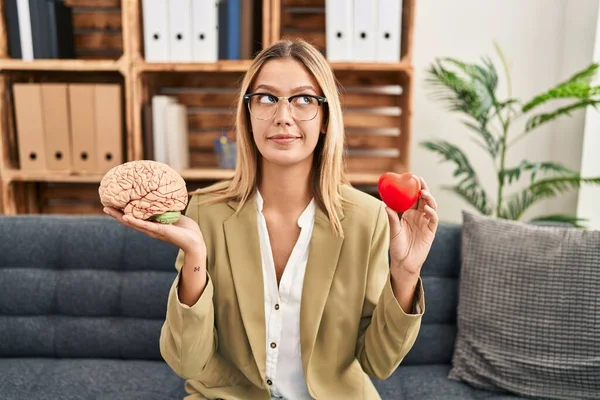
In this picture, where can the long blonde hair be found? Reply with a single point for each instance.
(328, 171)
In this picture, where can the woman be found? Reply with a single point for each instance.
(284, 285)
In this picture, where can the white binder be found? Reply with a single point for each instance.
(205, 39)
(25, 30)
(177, 133)
(180, 30)
(389, 30)
(155, 14)
(365, 29)
(339, 17)
(159, 127)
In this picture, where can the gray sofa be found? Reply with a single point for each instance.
(82, 300)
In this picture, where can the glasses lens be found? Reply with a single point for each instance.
(304, 108)
(262, 106)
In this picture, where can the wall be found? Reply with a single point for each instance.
(545, 41)
(589, 196)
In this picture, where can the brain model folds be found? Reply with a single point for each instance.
(145, 189)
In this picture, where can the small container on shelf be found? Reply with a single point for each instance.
(226, 150)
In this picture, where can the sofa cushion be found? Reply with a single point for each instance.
(527, 311)
(430, 382)
(81, 286)
(70, 379)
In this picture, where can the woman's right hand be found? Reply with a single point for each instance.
(185, 233)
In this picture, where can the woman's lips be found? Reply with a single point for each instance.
(283, 139)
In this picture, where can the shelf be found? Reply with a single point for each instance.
(216, 174)
(363, 178)
(370, 66)
(219, 66)
(15, 175)
(59, 65)
(377, 96)
(206, 174)
(243, 65)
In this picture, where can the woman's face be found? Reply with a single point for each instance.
(287, 138)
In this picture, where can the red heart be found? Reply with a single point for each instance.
(399, 191)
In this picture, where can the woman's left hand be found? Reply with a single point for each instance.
(412, 234)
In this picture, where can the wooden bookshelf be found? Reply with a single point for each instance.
(108, 36)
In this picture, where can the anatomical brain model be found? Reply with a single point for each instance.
(145, 189)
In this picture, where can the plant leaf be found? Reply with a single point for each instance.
(555, 186)
(518, 203)
(543, 189)
(473, 195)
(490, 140)
(469, 187)
(577, 86)
(540, 119)
(560, 218)
(467, 88)
(450, 152)
(511, 174)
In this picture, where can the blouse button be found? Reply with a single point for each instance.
(277, 306)
(273, 345)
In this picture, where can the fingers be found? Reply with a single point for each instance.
(425, 198)
(428, 199)
(144, 226)
(424, 184)
(113, 212)
(152, 229)
(432, 216)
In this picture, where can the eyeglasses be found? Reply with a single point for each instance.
(303, 107)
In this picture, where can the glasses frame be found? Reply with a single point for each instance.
(320, 99)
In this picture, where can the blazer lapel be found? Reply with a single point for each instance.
(323, 257)
(243, 247)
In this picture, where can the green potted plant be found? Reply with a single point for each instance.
(471, 90)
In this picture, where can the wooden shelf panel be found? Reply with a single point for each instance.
(93, 3)
(196, 174)
(371, 67)
(15, 175)
(60, 65)
(219, 66)
(206, 174)
(243, 65)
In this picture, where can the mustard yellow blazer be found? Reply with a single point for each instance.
(351, 324)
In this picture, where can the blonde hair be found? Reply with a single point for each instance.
(328, 172)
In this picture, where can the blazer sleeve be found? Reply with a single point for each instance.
(188, 337)
(386, 333)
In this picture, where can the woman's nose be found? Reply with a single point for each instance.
(283, 114)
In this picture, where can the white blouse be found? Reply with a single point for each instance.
(284, 372)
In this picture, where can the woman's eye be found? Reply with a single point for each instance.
(304, 100)
(267, 99)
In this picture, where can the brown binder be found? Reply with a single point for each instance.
(82, 119)
(29, 120)
(109, 132)
(55, 105)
